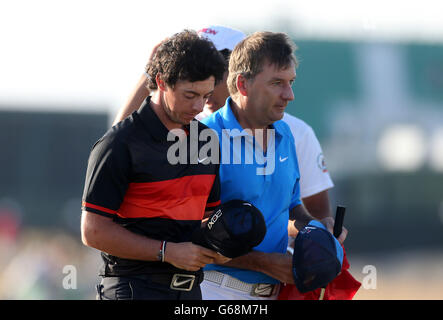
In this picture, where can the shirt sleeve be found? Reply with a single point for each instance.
(295, 201)
(314, 175)
(107, 178)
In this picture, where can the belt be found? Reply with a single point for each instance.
(253, 289)
(176, 281)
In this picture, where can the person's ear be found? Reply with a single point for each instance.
(161, 84)
(242, 85)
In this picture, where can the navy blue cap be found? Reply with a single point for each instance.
(317, 259)
(233, 229)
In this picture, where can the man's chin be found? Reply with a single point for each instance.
(186, 121)
(279, 116)
(212, 107)
(180, 121)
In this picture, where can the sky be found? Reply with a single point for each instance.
(88, 55)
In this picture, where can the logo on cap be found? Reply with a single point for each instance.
(307, 229)
(240, 227)
(214, 218)
(208, 30)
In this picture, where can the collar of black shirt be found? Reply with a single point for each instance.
(152, 123)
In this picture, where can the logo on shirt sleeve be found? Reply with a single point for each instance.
(322, 163)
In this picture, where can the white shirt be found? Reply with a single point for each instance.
(314, 175)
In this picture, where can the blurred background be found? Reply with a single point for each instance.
(370, 83)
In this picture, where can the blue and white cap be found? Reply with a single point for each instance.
(317, 259)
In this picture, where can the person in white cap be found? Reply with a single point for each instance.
(224, 40)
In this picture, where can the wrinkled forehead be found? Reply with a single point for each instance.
(277, 71)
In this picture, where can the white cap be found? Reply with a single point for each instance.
(222, 37)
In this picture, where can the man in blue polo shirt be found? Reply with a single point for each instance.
(271, 184)
(259, 165)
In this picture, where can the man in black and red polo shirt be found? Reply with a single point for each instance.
(138, 208)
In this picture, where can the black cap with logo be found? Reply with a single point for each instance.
(233, 229)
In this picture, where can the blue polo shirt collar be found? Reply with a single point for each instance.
(229, 119)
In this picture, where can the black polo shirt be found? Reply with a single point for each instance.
(130, 179)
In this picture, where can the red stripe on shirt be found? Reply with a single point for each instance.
(93, 206)
(183, 198)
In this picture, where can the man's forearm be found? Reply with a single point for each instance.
(318, 205)
(136, 98)
(275, 265)
(300, 216)
(105, 235)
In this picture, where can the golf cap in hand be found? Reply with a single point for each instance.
(317, 259)
(233, 229)
(222, 37)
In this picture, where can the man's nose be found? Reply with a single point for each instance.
(199, 104)
(288, 93)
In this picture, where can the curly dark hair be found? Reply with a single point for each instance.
(185, 56)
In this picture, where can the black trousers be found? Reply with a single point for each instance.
(142, 288)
